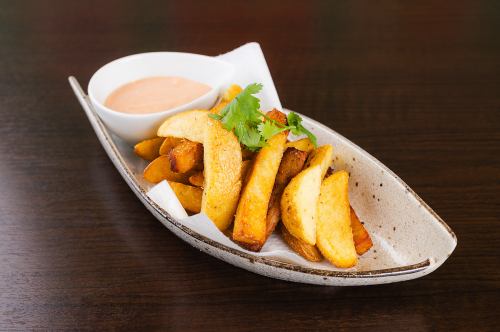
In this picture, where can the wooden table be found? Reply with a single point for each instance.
(417, 85)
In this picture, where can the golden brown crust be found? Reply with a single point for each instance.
(197, 179)
(291, 164)
(186, 156)
(362, 240)
(169, 143)
(303, 144)
(250, 222)
(159, 170)
(189, 196)
(309, 252)
(149, 148)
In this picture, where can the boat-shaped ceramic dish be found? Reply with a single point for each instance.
(410, 239)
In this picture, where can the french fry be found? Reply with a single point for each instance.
(321, 156)
(309, 252)
(291, 164)
(362, 240)
(148, 149)
(189, 196)
(186, 156)
(303, 144)
(250, 222)
(222, 169)
(197, 179)
(159, 170)
(334, 233)
(169, 143)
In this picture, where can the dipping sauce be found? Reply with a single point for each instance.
(155, 94)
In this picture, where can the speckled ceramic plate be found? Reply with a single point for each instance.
(410, 240)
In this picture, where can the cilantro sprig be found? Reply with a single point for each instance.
(252, 128)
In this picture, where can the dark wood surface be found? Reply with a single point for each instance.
(416, 84)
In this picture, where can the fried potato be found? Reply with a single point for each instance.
(250, 222)
(299, 204)
(334, 233)
(190, 125)
(197, 179)
(186, 156)
(309, 252)
(227, 97)
(169, 143)
(217, 108)
(291, 164)
(159, 170)
(321, 156)
(303, 144)
(246, 166)
(362, 240)
(189, 196)
(247, 154)
(231, 92)
(222, 169)
(149, 148)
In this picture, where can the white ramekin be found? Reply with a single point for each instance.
(135, 127)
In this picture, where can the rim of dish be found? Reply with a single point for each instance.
(395, 271)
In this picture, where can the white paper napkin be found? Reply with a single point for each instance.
(250, 66)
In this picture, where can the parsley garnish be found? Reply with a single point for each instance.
(251, 127)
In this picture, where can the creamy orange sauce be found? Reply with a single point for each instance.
(155, 94)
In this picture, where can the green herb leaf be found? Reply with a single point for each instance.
(269, 128)
(242, 116)
(296, 127)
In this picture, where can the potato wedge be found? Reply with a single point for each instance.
(321, 156)
(246, 166)
(189, 196)
(362, 240)
(197, 179)
(303, 144)
(299, 204)
(169, 143)
(186, 156)
(250, 222)
(217, 108)
(190, 125)
(222, 170)
(231, 92)
(334, 233)
(159, 170)
(291, 164)
(309, 252)
(247, 154)
(149, 148)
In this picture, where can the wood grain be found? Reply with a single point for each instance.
(416, 84)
